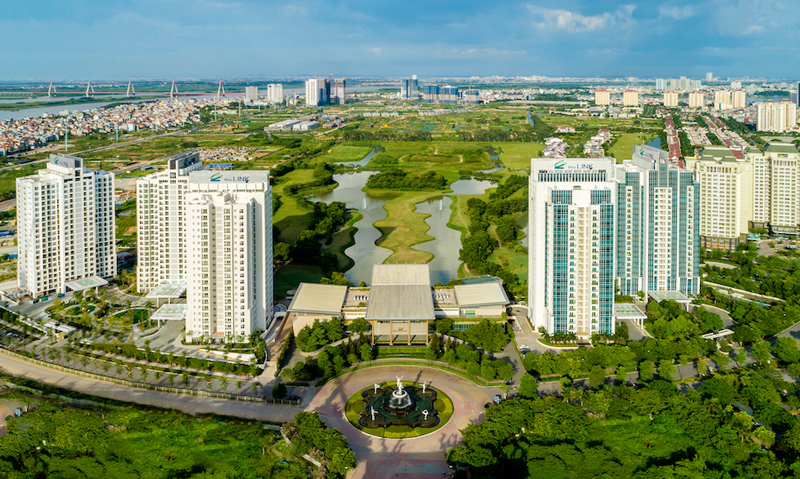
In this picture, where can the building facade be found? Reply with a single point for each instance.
(314, 90)
(602, 97)
(697, 99)
(229, 229)
(251, 93)
(161, 223)
(409, 87)
(571, 246)
(726, 196)
(739, 99)
(275, 93)
(670, 99)
(658, 225)
(776, 187)
(776, 116)
(65, 226)
(339, 92)
(630, 98)
(722, 100)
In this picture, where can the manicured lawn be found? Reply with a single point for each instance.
(623, 148)
(291, 275)
(517, 156)
(403, 227)
(346, 153)
(139, 315)
(292, 217)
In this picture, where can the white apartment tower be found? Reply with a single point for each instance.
(571, 252)
(722, 100)
(161, 223)
(739, 99)
(229, 226)
(251, 93)
(630, 98)
(65, 226)
(670, 99)
(776, 116)
(313, 87)
(697, 99)
(275, 93)
(602, 97)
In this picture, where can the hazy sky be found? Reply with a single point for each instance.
(109, 39)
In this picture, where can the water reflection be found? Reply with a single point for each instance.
(447, 242)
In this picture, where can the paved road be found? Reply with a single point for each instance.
(181, 402)
(634, 332)
(724, 315)
(721, 265)
(388, 458)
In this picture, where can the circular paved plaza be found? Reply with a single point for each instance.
(415, 457)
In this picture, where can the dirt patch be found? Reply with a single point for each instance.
(129, 231)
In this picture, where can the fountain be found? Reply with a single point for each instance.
(403, 406)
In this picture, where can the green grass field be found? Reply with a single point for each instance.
(623, 147)
(291, 275)
(345, 153)
(8, 184)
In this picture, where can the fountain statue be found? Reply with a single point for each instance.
(376, 388)
(373, 412)
(425, 413)
(399, 384)
(423, 387)
(405, 405)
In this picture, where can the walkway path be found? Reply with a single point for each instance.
(388, 458)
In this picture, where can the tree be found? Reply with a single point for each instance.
(366, 352)
(528, 386)
(761, 353)
(597, 376)
(255, 387)
(646, 371)
(223, 383)
(279, 391)
(666, 370)
(786, 350)
(185, 378)
(171, 380)
(764, 435)
(722, 360)
(741, 357)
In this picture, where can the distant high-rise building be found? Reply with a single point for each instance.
(797, 95)
(709, 77)
(449, 95)
(697, 99)
(695, 84)
(409, 87)
(571, 245)
(630, 98)
(430, 93)
(161, 229)
(229, 243)
(313, 89)
(670, 99)
(722, 100)
(339, 91)
(65, 226)
(602, 97)
(739, 99)
(661, 84)
(275, 93)
(325, 92)
(736, 85)
(776, 116)
(776, 188)
(251, 93)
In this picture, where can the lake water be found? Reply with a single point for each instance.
(471, 187)
(447, 242)
(55, 109)
(655, 142)
(522, 223)
(364, 252)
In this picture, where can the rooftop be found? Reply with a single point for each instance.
(628, 311)
(402, 301)
(401, 274)
(167, 291)
(480, 294)
(86, 283)
(170, 312)
(318, 298)
(780, 148)
(659, 296)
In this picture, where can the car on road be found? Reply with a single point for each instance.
(292, 397)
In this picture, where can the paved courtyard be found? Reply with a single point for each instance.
(422, 457)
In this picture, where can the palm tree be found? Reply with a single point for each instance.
(118, 367)
(105, 367)
(223, 383)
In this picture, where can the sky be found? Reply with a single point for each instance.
(60, 40)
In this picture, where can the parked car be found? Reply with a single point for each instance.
(292, 397)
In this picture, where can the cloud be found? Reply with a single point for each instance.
(575, 22)
(676, 13)
(753, 29)
(375, 50)
(485, 51)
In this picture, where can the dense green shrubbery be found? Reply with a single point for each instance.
(399, 179)
(313, 337)
(648, 432)
(309, 435)
(487, 335)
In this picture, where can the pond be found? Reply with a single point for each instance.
(522, 224)
(655, 142)
(447, 242)
(365, 253)
(471, 187)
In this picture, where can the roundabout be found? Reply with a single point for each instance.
(401, 449)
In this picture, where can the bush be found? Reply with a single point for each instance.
(313, 337)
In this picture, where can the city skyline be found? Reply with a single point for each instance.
(205, 39)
